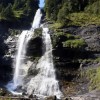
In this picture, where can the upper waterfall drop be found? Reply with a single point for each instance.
(37, 19)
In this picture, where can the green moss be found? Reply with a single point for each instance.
(77, 43)
(83, 19)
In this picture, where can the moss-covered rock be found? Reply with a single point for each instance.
(38, 32)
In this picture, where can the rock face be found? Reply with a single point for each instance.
(8, 40)
(91, 35)
(3, 49)
(70, 61)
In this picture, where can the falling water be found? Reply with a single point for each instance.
(45, 83)
(25, 36)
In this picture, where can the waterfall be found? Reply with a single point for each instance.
(20, 70)
(45, 83)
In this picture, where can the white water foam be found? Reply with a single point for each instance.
(45, 83)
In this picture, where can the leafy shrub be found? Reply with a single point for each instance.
(77, 43)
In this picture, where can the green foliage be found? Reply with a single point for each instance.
(83, 19)
(57, 9)
(8, 13)
(16, 4)
(68, 40)
(94, 76)
(76, 43)
(52, 7)
(17, 9)
(94, 8)
(73, 12)
(56, 26)
(70, 36)
(62, 12)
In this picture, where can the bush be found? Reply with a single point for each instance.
(77, 43)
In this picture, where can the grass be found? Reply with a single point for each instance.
(84, 19)
(93, 75)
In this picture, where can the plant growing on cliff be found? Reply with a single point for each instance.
(94, 76)
(76, 43)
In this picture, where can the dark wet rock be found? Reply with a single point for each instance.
(34, 48)
(51, 98)
(33, 71)
(91, 34)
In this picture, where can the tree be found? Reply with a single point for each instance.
(93, 8)
(8, 13)
(63, 12)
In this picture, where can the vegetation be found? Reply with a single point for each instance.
(93, 75)
(76, 43)
(94, 8)
(67, 40)
(83, 19)
(73, 12)
(17, 9)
